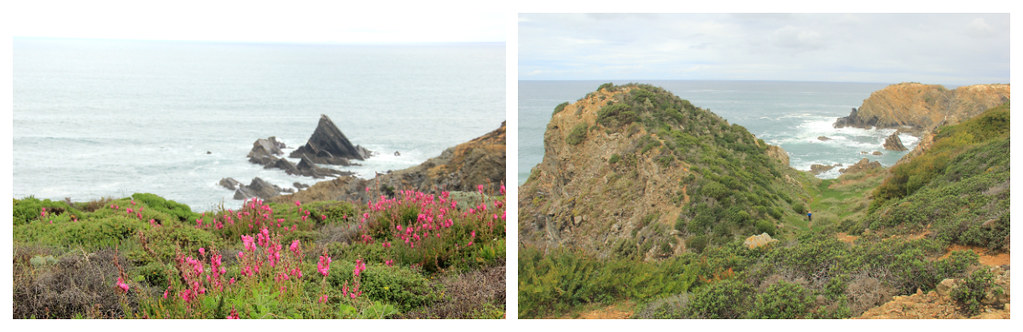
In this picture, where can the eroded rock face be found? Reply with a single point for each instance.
(265, 151)
(922, 107)
(328, 145)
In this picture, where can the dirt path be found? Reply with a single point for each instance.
(986, 258)
(614, 311)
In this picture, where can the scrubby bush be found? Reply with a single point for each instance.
(577, 135)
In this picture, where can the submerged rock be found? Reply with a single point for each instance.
(328, 145)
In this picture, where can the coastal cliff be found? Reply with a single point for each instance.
(921, 108)
(480, 161)
(634, 171)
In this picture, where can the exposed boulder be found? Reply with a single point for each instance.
(894, 143)
(328, 145)
(823, 138)
(757, 241)
(258, 188)
(876, 153)
(862, 166)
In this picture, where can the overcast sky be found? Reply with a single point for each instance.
(294, 21)
(955, 49)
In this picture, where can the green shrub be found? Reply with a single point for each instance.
(399, 286)
(560, 107)
(577, 135)
(782, 301)
(969, 294)
(725, 299)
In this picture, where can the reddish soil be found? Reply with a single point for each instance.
(986, 258)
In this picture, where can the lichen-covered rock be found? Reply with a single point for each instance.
(757, 241)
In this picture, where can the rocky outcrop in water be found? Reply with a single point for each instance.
(328, 145)
(265, 151)
(863, 165)
(894, 143)
(817, 169)
(480, 161)
(921, 107)
(258, 188)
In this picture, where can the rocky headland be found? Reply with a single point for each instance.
(480, 161)
(635, 171)
(920, 108)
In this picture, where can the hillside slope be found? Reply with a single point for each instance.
(634, 171)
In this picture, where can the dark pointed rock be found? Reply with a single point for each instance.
(894, 143)
(328, 145)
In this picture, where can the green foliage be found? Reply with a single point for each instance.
(782, 301)
(577, 135)
(969, 294)
(561, 279)
(400, 286)
(560, 107)
(725, 299)
(181, 211)
(960, 187)
(949, 142)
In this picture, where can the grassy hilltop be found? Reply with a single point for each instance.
(875, 234)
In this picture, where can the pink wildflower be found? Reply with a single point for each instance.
(202, 251)
(43, 214)
(294, 247)
(324, 265)
(233, 314)
(297, 203)
(122, 285)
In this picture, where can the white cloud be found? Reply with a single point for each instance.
(939, 48)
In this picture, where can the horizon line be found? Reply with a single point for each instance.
(270, 42)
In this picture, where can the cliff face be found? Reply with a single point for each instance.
(633, 171)
(460, 168)
(922, 107)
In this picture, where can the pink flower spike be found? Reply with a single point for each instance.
(122, 285)
(297, 203)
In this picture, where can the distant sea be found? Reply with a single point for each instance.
(108, 118)
(788, 114)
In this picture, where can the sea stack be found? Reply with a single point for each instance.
(328, 145)
(894, 143)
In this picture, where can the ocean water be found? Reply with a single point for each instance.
(788, 114)
(108, 118)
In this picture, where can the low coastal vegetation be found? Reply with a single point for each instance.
(409, 255)
(874, 234)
